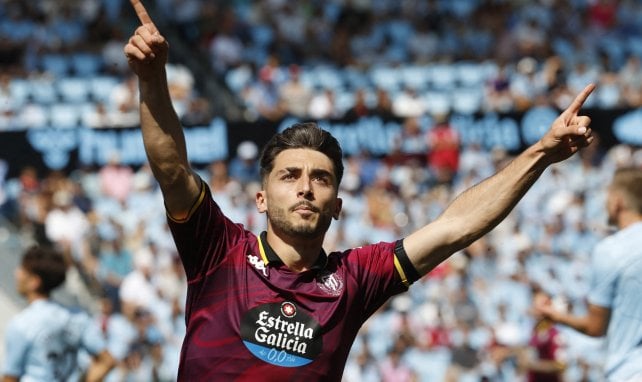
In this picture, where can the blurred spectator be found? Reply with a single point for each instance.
(244, 167)
(408, 104)
(115, 263)
(65, 224)
(137, 290)
(549, 359)
(116, 179)
(383, 105)
(360, 107)
(124, 102)
(295, 96)
(630, 80)
(322, 105)
(526, 87)
(226, 49)
(198, 112)
(443, 150)
(393, 368)
(262, 98)
(498, 92)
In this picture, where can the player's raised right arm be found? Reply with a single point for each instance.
(163, 136)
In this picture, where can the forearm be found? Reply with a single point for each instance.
(99, 368)
(162, 132)
(479, 209)
(475, 212)
(581, 324)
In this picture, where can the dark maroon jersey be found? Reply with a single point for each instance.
(548, 342)
(250, 318)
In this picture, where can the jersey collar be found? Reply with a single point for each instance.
(269, 256)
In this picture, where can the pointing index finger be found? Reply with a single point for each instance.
(142, 14)
(575, 107)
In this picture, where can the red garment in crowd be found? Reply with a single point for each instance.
(548, 343)
(443, 144)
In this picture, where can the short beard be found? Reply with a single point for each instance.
(280, 223)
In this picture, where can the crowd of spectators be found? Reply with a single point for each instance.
(63, 64)
(317, 60)
(332, 59)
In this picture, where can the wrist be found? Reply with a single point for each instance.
(539, 155)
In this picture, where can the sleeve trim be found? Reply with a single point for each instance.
(196, 204)
(404, 266)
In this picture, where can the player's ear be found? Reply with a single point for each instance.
(261, 201)
(34, 282)
(337, 209)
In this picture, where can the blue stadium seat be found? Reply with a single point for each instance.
(470, 74)
(262, 35)
(343, 100)
(64, 115)
(237, 78)
(73, 89)
(55, 64)
(32, 116)
(467, 100)
(86, 64)
(634, 46)
(355, 78)
(20, 90)
(442, 76)
(329, 77)
(386, 77)
(43, 90)
(309, 78)
(101, 87)
(415, 77)
(438, 102)
(399, 31)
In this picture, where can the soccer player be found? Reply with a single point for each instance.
(276, 306)
(543, 359)
(43, 341)
(614, 308)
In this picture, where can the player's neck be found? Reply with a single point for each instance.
(627, 218)
(297, 254)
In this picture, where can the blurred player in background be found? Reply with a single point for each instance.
(43, 341)
(614, 308)
(543, 358)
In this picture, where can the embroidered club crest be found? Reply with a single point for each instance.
(331, 283)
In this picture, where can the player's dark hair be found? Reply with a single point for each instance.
(49, 265)
(304, 135)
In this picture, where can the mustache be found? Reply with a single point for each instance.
(307, 204)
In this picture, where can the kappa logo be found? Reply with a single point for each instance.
(257, 263)
(331, 283)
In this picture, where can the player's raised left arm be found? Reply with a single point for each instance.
(479, 209)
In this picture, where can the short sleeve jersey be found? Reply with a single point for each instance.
(616, 284)
(251, 318)
(42, 342)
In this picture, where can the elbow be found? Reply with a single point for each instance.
(595, 331)
(171, 174)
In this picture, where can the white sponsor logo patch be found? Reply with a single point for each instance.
(257, 263)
